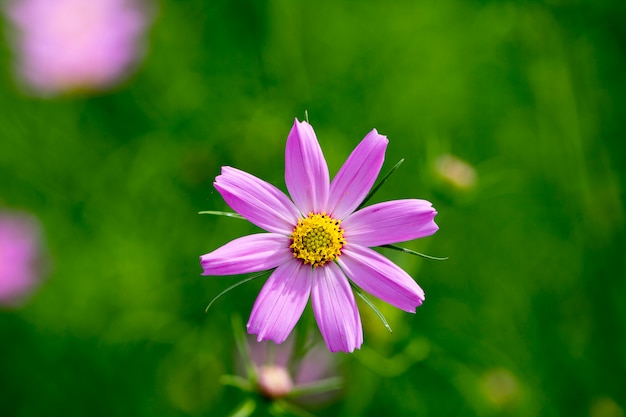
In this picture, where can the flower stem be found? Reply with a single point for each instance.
(245, 409)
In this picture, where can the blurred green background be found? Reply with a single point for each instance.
(527, 316)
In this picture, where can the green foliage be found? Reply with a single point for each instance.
(526, 317)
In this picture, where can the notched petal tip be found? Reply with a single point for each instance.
(297, 123)
(374, 135)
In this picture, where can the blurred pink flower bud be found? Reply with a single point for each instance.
(274, 381)
(309, 380)
(20, 257)
(76, 45)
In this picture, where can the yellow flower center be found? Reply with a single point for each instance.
(317, 239)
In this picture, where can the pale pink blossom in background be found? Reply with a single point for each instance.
(20, 257)
(76, 45)
(280, 374)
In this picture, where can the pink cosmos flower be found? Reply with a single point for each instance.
(317, 242)
(20, 253)
(68, 45)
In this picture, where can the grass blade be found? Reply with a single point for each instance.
(380, 183)
(361, 294)
(412, 252)
(235, 285)
(223, 213)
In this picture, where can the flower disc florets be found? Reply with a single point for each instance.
(317, 239)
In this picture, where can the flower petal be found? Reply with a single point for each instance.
(306, 172)
(335, 309)
(258, 201)
(390, 222)
(280, 302)
(380, 277)
(253, 253)
(357, 175)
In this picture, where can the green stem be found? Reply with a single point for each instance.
(237, 382)
(245, 409)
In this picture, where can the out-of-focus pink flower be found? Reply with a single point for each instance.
(286, 376)
(76, 45)
(280, 374)
(274, 381)
(20, 257)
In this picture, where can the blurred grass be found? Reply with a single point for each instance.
(525, 319)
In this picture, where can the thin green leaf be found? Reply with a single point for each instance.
(235, 285)
(412, 252)
(361, 294)
(306, 116)
(324, 385)
(237, 382)
(280, 408)
(245, 409)
(380, 183)
(223, 213)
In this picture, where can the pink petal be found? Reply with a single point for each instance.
(317, 364)
(306, 172)
(390, 222)
(268, 353)
(258, 201)
(380, 277)
(77, 44)
(335, 309)
(357, 175)
(280, 302)
(22, 264)
(253, 253)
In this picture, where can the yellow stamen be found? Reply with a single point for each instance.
(317, 239)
